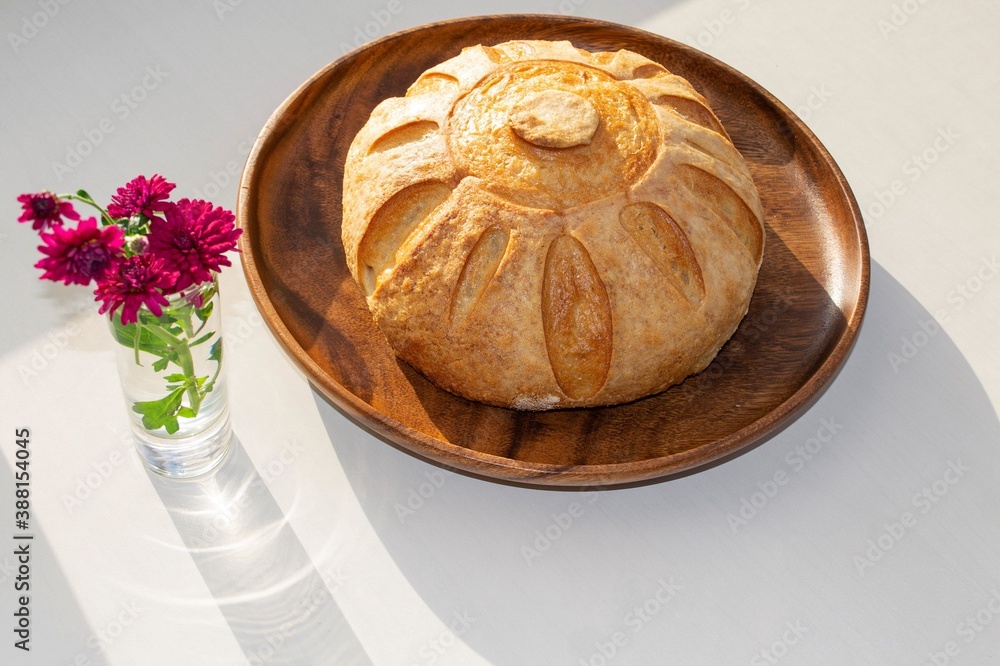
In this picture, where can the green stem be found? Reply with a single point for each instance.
(185, 321)
(135, 344)
(218, 370)
(83, 197)
(184, 359)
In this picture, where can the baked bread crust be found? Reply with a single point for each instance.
(537, 226)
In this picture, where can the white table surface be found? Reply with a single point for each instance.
(881, 546)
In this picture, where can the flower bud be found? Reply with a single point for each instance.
(136, 244)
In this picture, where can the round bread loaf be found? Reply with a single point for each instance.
(537, 226)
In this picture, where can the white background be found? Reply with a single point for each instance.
(300, 551)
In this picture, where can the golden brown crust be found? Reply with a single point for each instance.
(536, 226)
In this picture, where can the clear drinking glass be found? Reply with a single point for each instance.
(174, 383)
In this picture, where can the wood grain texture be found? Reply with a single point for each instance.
(805, 314)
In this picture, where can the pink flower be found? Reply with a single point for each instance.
(140, 195)
(45, 210)
(132, 283)
(192, 239)
(77, 256)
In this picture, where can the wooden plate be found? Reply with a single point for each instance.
(804, 317)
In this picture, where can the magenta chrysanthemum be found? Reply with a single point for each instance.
(193, 239)
(77, 256)
(141, 195)
(132, 283)
(45, 210)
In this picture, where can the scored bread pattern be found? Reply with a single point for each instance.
(490, 126)
(667, 246)
(390, 232)
(409, 133)
(480, 267)
(577, 318)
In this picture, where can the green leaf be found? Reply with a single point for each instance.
(187, 413)
(160, 365)
(125, 335)
(177, 377)
(205, 312)
(202, 339)
(161, 413)
(168, 356)
(215, 351)
(147, 342)
(164, 321)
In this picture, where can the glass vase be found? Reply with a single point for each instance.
(173, 380)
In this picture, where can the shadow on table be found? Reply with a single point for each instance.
(546, 576)
(279, 607)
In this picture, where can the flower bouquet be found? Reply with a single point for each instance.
(154, 264)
